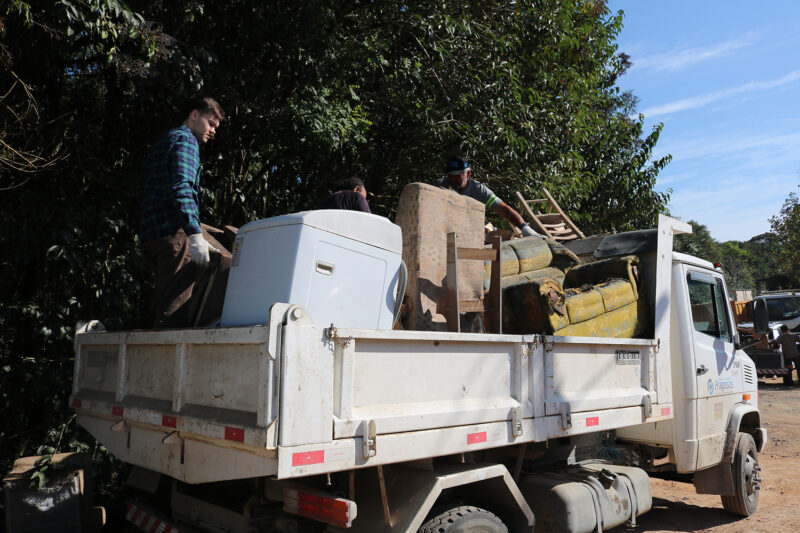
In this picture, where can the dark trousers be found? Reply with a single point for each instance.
(174, 271)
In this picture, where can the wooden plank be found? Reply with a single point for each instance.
(494, 316)
(537, 201)
(452, 311)
(471, 306)
(552, 218)
(482, 254)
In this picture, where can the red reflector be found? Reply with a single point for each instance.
(235, 434)
(593, 421)
(665, 411)
(76, 402)
(308, 458)
(312, 500)
(475, 438)
(117, 411)
(332, 511)
(169, 421)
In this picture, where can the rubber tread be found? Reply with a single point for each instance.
(736, 503)
(457, 518)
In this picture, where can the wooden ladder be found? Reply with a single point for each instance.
(549, 219)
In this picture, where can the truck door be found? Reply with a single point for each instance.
(714, 362)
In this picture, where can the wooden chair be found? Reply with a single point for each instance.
(493, 304)
(547, 218)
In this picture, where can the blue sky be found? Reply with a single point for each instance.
(724, 78)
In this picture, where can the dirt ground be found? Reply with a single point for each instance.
(676, 506)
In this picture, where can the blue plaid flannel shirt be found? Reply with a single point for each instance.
(171, 186)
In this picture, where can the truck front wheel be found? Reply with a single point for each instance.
(464, 519)
(746, 478)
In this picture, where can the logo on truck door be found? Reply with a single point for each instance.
(628, 357)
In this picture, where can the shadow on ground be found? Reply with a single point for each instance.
(667, 515)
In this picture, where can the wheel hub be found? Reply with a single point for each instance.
(752, 477)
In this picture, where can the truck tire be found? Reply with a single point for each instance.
(464, 519)
(746, 478)
(787, 378)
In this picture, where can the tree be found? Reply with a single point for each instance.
(63, 256)
(699, 243)
(786, 225)
(749, 265)
(315, 91)
(746, 264)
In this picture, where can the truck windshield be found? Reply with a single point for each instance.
(786, 308)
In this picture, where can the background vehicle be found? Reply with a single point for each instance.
(781, 307)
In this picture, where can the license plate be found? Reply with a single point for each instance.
(628, 357)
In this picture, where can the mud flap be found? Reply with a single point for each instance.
(715, 480)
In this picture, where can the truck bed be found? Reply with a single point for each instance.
(289, 399)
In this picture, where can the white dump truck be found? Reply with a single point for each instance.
(306, 424)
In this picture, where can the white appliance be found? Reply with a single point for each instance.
(342, 266)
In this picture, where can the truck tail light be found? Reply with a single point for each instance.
(336, 511)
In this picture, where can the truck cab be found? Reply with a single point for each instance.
(714, 387)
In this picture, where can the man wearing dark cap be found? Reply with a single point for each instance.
(458, 173)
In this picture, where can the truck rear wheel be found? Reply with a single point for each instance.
(464, 519)
(746, 478)
(787, 378)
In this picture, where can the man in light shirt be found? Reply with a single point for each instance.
(788, 343)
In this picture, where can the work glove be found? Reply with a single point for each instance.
(199, 249)
(527, 231)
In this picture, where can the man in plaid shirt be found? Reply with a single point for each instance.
(172, 240)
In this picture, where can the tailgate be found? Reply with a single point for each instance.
(167, 399)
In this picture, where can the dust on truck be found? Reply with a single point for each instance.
(306, 420)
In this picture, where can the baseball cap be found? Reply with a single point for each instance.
(456, 164)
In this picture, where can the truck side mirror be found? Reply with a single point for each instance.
(760, 317)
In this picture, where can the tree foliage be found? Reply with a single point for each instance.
(750, 265)
(315, 91)
(786, 226)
